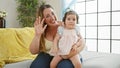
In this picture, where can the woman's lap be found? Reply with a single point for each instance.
(65, 64)
(46, 59)
(41, 61)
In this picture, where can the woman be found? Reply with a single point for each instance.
(45, 30)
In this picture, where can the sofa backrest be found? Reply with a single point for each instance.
(14, 44)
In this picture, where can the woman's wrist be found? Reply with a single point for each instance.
(77, 44)
(37, 35)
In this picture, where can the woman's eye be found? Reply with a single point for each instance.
(47, 16)
(52, 13)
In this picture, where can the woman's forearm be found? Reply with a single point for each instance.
(81, 44)
(80, 47)
(34, 46)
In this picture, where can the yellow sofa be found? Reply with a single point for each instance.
(14, 45)
(14, 51)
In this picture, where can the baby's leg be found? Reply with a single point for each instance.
(55, 61)
(76, 61)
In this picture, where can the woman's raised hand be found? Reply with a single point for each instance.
(38, 25)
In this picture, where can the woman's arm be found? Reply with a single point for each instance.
(39, 29)
(34, 46)
(55, 43)
(80, 44)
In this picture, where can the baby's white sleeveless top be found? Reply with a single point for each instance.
(68, 38)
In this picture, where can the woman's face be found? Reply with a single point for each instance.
(70, 21)
(50, 18)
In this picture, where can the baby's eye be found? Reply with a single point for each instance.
(73, 19)
(68, 19)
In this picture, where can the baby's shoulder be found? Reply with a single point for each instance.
(60, 30)
(77, 27)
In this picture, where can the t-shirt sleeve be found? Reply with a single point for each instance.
(60, 30)
(77, 30)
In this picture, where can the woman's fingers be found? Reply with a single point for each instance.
(44, 27)
(42, 21)
(35, 23)
(39, 19)
(38, 24)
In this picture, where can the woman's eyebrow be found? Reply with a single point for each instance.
(47, 15)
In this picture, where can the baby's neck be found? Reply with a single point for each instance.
(68, 28)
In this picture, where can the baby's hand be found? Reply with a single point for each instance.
(64, 56)
(55, 50)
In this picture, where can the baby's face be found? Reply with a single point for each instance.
(70, 21)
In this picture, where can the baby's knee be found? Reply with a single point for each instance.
(52, 65)
(77, 65)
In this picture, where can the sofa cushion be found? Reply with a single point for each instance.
(22, 64)
(14, 44)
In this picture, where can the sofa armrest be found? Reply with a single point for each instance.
(100, 60)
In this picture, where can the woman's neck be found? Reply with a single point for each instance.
(50, 33)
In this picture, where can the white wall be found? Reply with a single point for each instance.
(57, 5)
(10, 7)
